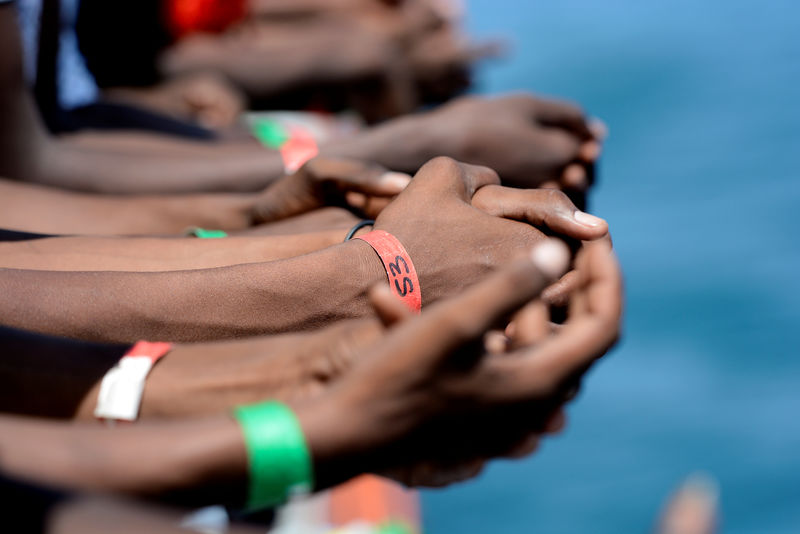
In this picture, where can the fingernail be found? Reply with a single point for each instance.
(587, 220)
(396, 179)
(551, 257)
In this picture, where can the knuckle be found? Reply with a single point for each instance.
(443, 164)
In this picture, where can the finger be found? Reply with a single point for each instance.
(559, 293)
(373, 182)
(563, 114)
(575, 177)
(355, 175)
(369, 206)
(450, 324)
(556, 423)
(599, 128)
(375, 206)
(542, 370)
(590, 151)
(693, 508)
(524, 448)
(389, 309)
(531, 325)
(540, 207)
(550, 184)
(495, 342)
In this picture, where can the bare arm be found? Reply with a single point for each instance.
(28, 153)
(35, 208)
(146, 254)
(285, 295)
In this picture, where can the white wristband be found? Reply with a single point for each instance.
(122, 386)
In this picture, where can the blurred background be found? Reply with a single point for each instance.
(699, 180)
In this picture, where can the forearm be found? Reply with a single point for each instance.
(200, 461)
(218, 168)
(46, 210)
(318, 53)
(244, 300)
(142, 254)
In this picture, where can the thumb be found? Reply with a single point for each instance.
(388, 307)
(450, 324)
(542, 208)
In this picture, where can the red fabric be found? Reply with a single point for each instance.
(192, 16)
(403, 279)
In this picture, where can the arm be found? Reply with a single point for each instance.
(414, 376)
(293, 294)
(28, 153)
(433, 218)
(145, 254)
(35, 208)
(320, 182)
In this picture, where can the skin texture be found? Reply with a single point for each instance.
(154, 254)
(529, 141)
(426, 374)
(362, 187)
(433, 218)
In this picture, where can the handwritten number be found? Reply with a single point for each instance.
(408, 286)
(396, 266)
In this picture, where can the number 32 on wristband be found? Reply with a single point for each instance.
(399, 267)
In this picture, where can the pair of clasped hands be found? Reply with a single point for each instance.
(481, 372)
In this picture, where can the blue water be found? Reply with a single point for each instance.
(699, 181)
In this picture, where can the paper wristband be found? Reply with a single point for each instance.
(203, 233)
(122, 386)
(403, 279)
(278, 457)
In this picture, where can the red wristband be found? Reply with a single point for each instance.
(402, 275)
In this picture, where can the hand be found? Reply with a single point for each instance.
(529, 141)
(363, 187)
(429, 392)
(454, 244)
(210, 100)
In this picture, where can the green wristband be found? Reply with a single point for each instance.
(202, 233)
(277, 454)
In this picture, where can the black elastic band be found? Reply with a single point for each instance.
(356, 228)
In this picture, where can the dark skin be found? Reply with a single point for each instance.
(433, 218)
(27, 153)
(361, 187)
(429, 375)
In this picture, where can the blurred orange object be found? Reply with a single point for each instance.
(375, 500)
(191, 16)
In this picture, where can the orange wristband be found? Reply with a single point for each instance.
(299, 148)
(403, 279)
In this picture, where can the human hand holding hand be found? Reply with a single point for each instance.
(430, 392)
(456, 223)
(529, 141)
